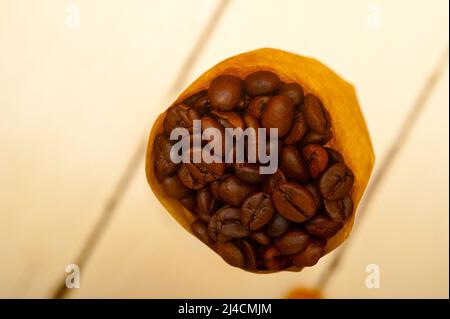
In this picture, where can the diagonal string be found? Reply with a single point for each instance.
(130, 171)
(394, 149)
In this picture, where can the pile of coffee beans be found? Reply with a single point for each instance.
(255, 221)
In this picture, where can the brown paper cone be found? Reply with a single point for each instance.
(351, 137)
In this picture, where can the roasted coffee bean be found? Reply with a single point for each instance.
(315, 158)
(159, 174)
(230, 253)
(189, 202)
(215, 226)
(261, 82)
(249, 173)
(200, 173)
(209, 122)
(292, 242)
(315, 193)
(310, 255)
(174, 188)
(340, 209)
(225, 92)
(189, 180)
(226, 224)
(191, 100)
(334, 156)
(292, 165)
(260, 250)
(274, 260)
(313, 137)
(279, 113)
(336, 182)
(277, 226)
(244, 102)
(251, 121)
(214, 188)
(204, 217)
(161, 151)
(181, 116)
(256, 211)
(260, 237)
(251, 259)
(202, 105)
(322, 226)
(207, 204)
(257, 105)
(209, 172)
(200, 229)
(298, 129)
(274, 181)
(294, 202)
(234, 229)
(229, 119)
(292, 91)
(197, 175)
(233, 191)
(315, 114)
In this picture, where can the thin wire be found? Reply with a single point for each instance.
(130, 171)
(393, 150)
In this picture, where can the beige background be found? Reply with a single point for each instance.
(75, 103)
